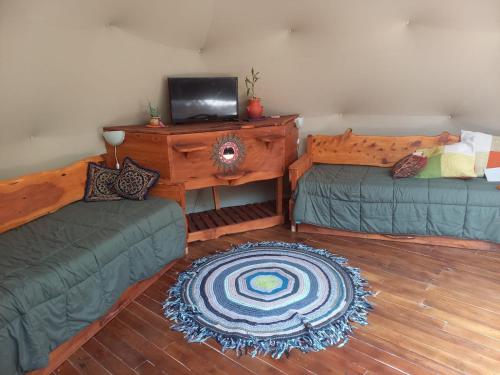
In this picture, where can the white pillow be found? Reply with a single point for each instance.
(482, 146)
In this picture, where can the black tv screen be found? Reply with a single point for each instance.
(203, 99)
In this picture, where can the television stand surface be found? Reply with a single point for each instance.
(201, 127)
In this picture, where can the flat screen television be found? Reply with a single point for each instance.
(203, 99)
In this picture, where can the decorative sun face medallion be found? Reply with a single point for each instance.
(228, 152)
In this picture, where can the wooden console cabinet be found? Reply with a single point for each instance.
(185, 154)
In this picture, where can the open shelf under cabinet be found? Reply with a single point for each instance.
(215, 223)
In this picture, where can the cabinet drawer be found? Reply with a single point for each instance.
(149, 150)
(193, 157)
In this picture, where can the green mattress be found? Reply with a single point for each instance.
(368, 199)
(63, 271)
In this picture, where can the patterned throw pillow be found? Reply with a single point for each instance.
(100, 184)
(134, 181)
(487, 150)
(409, 166)
(456, 160)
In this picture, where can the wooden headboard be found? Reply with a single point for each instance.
(379, 151)
(29, 197)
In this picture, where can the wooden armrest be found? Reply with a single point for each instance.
(174, 191)
(298, 168)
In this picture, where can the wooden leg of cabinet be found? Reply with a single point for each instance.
(279, 196)
(216, 197)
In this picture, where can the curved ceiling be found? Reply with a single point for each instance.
(69, 67)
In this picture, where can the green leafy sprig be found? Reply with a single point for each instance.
(154, 111)
(250, 83)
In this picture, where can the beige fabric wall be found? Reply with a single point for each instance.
(68, 67)
(378, 66)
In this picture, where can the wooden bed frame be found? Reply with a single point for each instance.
(27, 198)
(379, 151)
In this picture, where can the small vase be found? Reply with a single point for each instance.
(254, 109)
(154, 122)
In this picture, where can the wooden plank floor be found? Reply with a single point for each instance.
(437, 311)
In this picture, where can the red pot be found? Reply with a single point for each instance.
(254, 108)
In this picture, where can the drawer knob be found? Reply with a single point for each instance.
(186, 149)
(270, 139)
(230, 177)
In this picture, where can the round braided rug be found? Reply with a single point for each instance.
(269, 297)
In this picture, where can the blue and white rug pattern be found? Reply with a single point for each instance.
(269, 298)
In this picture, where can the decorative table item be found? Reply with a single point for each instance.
(269, 298)
(228, 152)
(255, 109)
(155, 117)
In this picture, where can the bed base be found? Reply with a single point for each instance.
(65, 350)
(423, 240)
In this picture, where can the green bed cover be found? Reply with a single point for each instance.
(368, 199)
(63, 271)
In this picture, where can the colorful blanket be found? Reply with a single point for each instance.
(487, 149)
